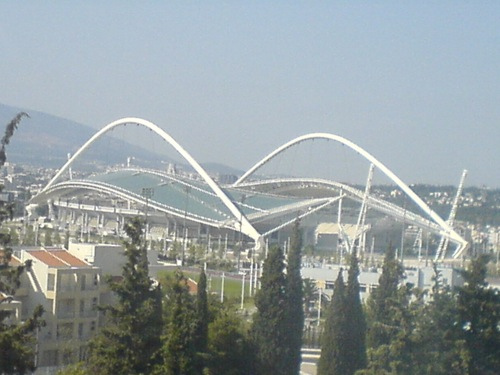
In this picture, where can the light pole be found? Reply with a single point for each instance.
(243, 197)
(187, 189)
(147, 192)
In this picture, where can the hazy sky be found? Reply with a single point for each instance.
(416, 84)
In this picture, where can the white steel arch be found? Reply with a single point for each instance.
(447, 230)
(246, 227)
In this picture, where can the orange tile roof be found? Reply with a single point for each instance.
(68, 258)
(58, 258)
(47, 258)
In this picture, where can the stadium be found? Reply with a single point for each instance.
(253, 210)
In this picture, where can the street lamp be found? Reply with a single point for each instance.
(187, 189)
(147, 192)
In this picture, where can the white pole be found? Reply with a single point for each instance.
(222, 288)
(242, 290)
(256, 276)
(319, 305)
(250, 286)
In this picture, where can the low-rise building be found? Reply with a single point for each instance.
(68, 288)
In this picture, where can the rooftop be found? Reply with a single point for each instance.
(59, 258)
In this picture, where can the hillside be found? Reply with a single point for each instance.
(45, 140)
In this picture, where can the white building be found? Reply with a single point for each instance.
(68, 288)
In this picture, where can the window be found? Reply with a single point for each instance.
(92, 326)
(51, 281)
(80, 330)
(82, 282)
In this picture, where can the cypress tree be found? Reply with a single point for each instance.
(202, 320)
(382, 301)
(334, 354)
(294, 299)
(129, 342)
(356, 324)
(269, 328)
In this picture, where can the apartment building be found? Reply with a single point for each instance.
(69, 290)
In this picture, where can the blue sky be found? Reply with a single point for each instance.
(414, 83)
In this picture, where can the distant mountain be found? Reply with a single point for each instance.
(44, 140)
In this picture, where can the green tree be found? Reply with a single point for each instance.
(17, 339)
(437, 347)
(334, 355)
(269, 328)
(479, 313)
(355, 324)
(230, 349)
(179, 352)
(294, 301)
(202, 320)
(382, 301)
(128, 344)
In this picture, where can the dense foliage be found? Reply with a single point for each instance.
(446, 332)
(17, 354)
(334, 355)
(355, 322)
(269, 329)
(128, 343)
(294, 301)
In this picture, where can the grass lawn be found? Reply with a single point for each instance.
(232, 287)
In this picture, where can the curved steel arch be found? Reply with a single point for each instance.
(423, 206)
(246, 227)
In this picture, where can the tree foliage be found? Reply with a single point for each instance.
(202, 320)
(230, 350)
(383, 301)
(334, 355)
(294, 301)
(179, 351)
(479, 314)
(16, 338)
(269, 328)
(355, 322)
(129, 342)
